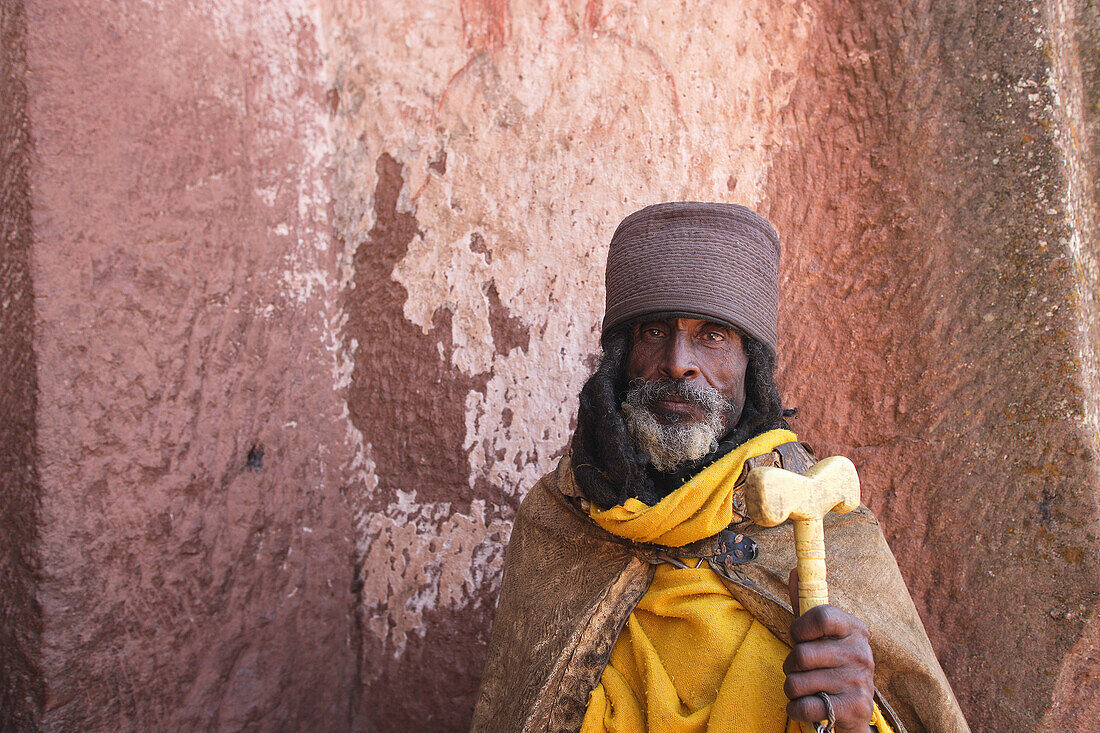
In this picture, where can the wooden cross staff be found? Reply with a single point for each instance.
(772, 495)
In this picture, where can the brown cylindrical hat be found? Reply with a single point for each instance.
(704, 260)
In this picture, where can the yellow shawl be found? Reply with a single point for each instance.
(690, 659)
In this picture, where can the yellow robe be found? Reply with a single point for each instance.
(690, 658)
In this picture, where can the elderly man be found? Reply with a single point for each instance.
(637, 595)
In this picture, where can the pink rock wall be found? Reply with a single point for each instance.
(195, 544)
(316, 282)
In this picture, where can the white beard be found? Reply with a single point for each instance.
(671, 446)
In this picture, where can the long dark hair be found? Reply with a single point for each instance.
(609, 468)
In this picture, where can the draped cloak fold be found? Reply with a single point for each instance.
(569, 587)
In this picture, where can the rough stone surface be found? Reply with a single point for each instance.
(20, 619)
(197, 558)
(316, 283)
(484, 152)
(938, 306)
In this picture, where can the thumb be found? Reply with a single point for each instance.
(792, 588)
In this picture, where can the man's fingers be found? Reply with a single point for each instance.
(826, 622)
(849, 711)
(831, 653)
(847, 681)
(828, 654)
(809, 709)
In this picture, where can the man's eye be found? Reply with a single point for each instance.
(716, 336)
(654, 332)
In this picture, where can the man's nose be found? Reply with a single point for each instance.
(679, 362)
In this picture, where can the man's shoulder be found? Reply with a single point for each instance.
(550, 489)
(553, 502)
(556, 511)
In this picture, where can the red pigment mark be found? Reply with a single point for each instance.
(486, 27)
(592, 11)
(486, 24)
(439, 108)
(670, 80)
(451, 82)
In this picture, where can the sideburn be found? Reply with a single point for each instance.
(607, 465)
(733, 417)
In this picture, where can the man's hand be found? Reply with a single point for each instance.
(831, 654)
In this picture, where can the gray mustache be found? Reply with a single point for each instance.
(707, 397)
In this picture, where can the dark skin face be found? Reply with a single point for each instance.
(697, 351)
(831, 651)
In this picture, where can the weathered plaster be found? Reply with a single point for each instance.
(522, 141)
(518, 134)
(422, 557)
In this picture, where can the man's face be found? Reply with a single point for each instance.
(701, 353)
(687, 378)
